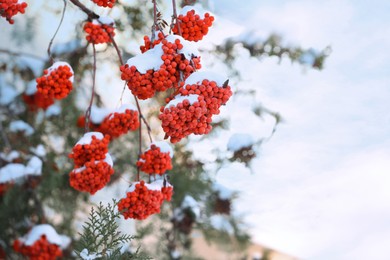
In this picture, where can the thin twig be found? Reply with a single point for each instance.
(174, 18)
(88, 111)
(58, 28)
(5, 137)
(13, 53)
(90, 13)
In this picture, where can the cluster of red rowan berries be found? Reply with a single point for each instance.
(57, 81)
(183, 116)
(93, 164)
(37, 100)
(114, 124)
(191, 27)
(154, 160)
(143, 200)
(41, 249)
(104, 3)
(120, 122)
(159, 68)
(99, 30)
(9, 8)
(191, 111)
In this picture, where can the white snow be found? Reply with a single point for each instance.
(191, 203)
(84, 254)
(192, 98)
(58, 64)
(10, 156)
(14, 171)
(125, 107)
(11, 172)
(98, 114)
(31, 88)
(149, 60)
(189, 49)
(7, 93)
(44, 229)
(87, 138)
(39, 150)
(197, 8)
(156, 185)
(239, 141)
(223, 192)
(175, 254)
(108, 160)
(164, 147)
(53, 110)
(308, 57)
(34, 166)
(21, 126)
(221, 222)
(67, 47)
(106, 20)
(198, 76)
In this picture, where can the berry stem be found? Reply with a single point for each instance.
(90, 13)
(88, 111)
(174, 18)
(58, 28)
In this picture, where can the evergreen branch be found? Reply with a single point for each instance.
(101, 234)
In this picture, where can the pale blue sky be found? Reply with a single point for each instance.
(322, 182)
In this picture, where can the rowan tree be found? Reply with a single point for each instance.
(62, 143)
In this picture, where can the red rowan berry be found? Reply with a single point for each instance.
(57, 81)
(105, 3)
(192, 27)
(184, 115)
(92, 146)
(100, 30)
(41, 243)
(121, 121)
(93, 176)
(9, 8)
(157, 159)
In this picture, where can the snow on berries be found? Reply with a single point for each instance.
(92, 146)
(191, 26)
(9, 8)
(191, 111)
(105, 3)
(183, 116)
(57, 81)
(211, 86)
(93, 163)
(100, 30)
(143, 199)
(93, 176)
(156, 159)
(41, 243)
(121, 121)
(161, 67)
